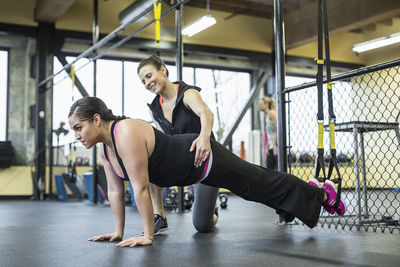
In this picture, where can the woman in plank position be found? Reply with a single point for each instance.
(135, 151)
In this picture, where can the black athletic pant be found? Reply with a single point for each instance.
(277, 190)
(205, 199)
(271, 159)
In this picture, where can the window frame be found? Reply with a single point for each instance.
(7, 102)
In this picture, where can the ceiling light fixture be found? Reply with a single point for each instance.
(377, 43)
(201, 24)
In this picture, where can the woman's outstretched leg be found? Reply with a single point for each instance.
(277, 190)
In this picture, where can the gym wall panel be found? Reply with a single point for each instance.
(16, 181)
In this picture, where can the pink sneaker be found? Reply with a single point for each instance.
(315, 182)
(341, 209)
(330, 189)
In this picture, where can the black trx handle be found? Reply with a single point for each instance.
(323, 20)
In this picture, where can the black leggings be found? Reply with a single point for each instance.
(278, 190)
(271, 159)
(205, 198)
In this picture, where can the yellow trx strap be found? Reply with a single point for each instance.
(319, 61)
(332, 134)
(329, 86)
(157, 17)
(321, 135)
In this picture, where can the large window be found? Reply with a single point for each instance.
(64, 95)
(120, 87)
(3, 94)
(136, 96)
(109, 84)
(226, 92)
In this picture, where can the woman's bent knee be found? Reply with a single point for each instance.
(203, 227)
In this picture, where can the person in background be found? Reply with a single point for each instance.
(268, 106)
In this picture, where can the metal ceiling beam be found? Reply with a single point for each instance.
(13, 29)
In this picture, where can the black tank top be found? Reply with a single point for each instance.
(184, 120)
(171, 162)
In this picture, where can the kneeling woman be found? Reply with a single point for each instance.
(135, 151)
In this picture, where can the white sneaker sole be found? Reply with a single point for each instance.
(161, 230)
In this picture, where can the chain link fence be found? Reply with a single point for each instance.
(367, 107)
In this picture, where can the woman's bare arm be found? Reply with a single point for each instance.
(156, 191)
(193, 100)
(115, 190)
(132, 148)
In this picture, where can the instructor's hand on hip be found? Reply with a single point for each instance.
(203, 148)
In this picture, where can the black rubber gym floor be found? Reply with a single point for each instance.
(52, 233)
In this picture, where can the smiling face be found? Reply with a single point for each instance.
(153, 80)
(87, 132)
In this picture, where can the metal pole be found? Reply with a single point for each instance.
(179, 42)
(348, 74)
(51, 151)
(357, 174)
(179, 66)
(280, 84)
(95, 38)
(42, 62)
(366, 215)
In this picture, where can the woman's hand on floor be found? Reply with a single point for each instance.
(136, 241)
(111, 236)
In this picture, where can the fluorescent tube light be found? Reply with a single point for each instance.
(199, 25)
(376, 43)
